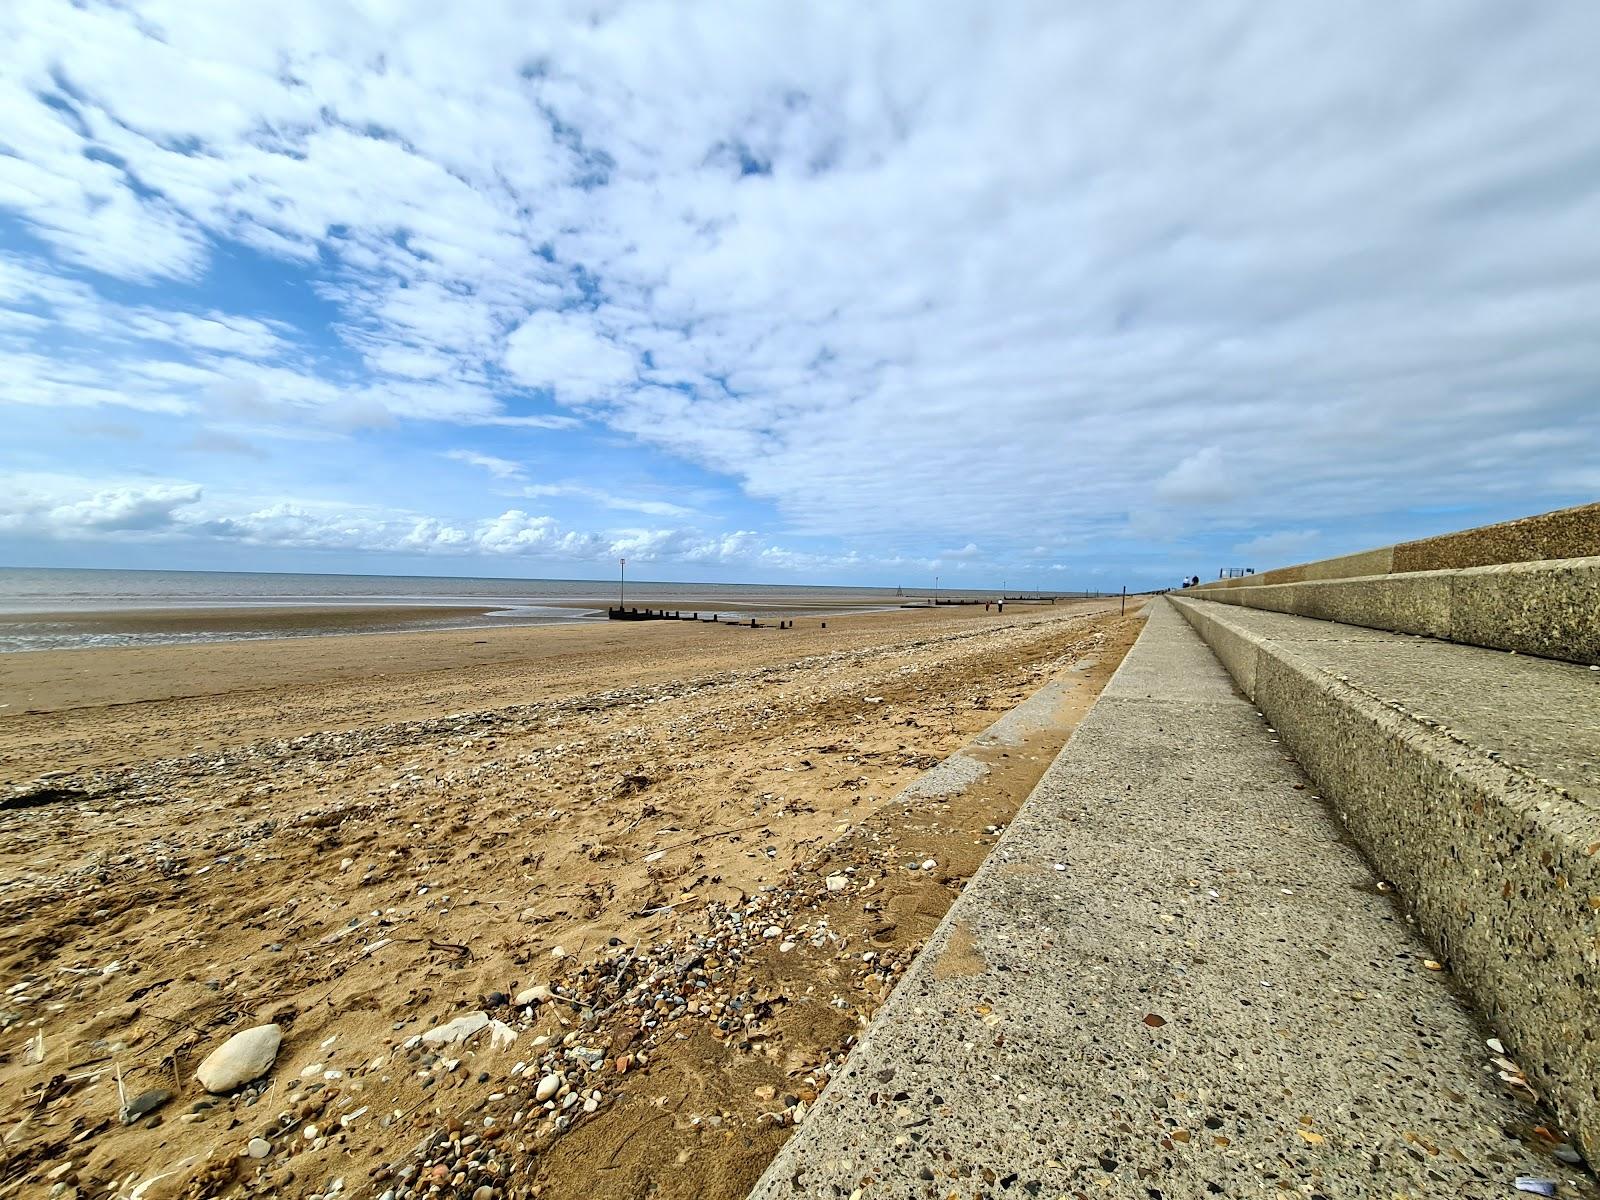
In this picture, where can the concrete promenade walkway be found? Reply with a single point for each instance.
(1174, 977)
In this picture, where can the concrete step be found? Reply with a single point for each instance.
(1547, 608)
(1472, 780)
(1175, 976)
(1565, 533)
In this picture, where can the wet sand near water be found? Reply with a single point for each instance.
(94, 626)
(223, 623)
(382, 833)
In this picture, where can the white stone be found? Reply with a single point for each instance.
(501, 1035)
(548, 1086)
(458, 1030)
(245, 1056)
(772, 931)
(537, 994)
(838, 883)
(258, 1148)
(928, 864)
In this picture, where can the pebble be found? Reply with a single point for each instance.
(838, 883)
(144, 1104)
(548, 1086)
(243, 1057)
(457, 1030)
(534, 995)
(258, 1147)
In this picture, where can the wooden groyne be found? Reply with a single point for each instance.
(661, 614)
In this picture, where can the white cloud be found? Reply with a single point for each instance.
(506, 470)
(40, 506)
(562, 352)
(69, 508)
(500, 468)
(605, 499)
(1014, 269)
(218, 332)
(1203, 478)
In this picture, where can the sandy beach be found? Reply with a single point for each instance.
(660, 860)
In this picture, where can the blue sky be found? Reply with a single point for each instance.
(1059, 295)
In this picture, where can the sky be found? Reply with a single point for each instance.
(1047, 295)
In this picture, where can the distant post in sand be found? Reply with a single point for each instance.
(622, 583)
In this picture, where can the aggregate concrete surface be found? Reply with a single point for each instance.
(1536, 715)
(1174, 976)
(1472, 779)
(1547, 608)
(1564, 533)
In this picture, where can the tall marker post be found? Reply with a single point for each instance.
(622, 584)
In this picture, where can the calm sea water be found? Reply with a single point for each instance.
(62, 608)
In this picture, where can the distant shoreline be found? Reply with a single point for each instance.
(205, 623)
(77, 608)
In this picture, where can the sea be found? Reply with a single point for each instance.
(63, 608)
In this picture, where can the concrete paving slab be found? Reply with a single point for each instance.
(1472, 779)
(1175, 976)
